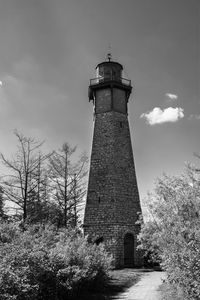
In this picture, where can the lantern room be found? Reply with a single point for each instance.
(109, 70)
(109, 76)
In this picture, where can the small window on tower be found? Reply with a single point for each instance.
(99, 241)
(121, 124)
(99, 199)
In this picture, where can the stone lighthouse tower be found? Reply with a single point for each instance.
(113, 202)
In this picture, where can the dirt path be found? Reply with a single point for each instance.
(145, 289)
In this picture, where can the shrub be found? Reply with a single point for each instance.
(46, 263)
(173, 231)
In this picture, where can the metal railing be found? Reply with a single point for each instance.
(102, 79)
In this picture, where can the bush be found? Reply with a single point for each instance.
(173, 231)
(46, 263)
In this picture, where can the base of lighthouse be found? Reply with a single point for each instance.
(120, 241)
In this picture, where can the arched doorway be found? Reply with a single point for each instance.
(129, 250)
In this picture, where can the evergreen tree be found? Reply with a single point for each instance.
(24, 183)
(2, 214)
(68, 183)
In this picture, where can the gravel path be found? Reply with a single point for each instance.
(145, 289)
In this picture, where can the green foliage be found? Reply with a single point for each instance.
(46, 263)
(172, 233)
(169, 291)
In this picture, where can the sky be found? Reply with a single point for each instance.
(49, 50)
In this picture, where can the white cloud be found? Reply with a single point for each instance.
(159, 116)
(171, 96)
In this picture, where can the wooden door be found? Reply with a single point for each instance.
(129, 250)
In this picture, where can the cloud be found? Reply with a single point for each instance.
(171, 96)
(1, 83)
(159, 116)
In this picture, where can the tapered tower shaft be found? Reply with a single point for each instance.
(113, 204)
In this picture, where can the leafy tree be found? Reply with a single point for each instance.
(172, 232)
(67, 183)
(23, 184)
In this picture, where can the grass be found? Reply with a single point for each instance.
(119, 280)
(170, 292)
(122, 279)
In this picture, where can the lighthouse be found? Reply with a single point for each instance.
(113, 203)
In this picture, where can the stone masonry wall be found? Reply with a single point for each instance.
(112, 189)
(113, 238)
(113, 202)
